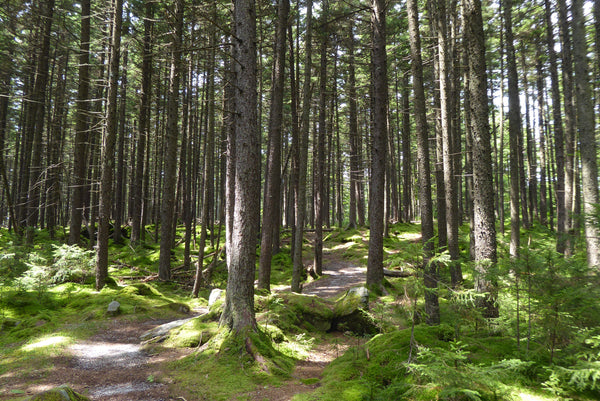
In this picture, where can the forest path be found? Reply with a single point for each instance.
(112, 366)
(339, 275)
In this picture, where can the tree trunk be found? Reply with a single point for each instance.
(587, 136)
(558, 134)
(167, 207)
(302, 156)
(273, 180)
(430, 274)
(108, 149)
(483, 197)
(80, 148)
(36, 119)
(319, 172)
(514, 130)
(570, 127)
(406, 152)
(352, 133)
(238, 311)
(378, 144)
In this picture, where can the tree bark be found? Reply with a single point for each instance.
(483, 197)
(587, 136)
(167, 206)
(80, 148)
(514, 130)
(430, 274)
(302, 156)
(238, 311)
(273, 180)
(378, 144)
(109, 135)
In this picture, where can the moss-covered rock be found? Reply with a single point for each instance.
(62, 393)
(351, 313)
(192, 333)
(299, 312)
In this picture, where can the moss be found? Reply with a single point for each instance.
(291, 312)
(62, 393)
(192, 334)
(231, 365)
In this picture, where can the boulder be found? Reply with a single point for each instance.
(160, 333)
(351, 313)
(62, 393)
(215, 295)
(113, 308)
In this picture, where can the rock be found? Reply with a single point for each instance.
(113, 308)
(160, 333)
(62, 393)
(351, 313)
(215, 295)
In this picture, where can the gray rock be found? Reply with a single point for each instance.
(351, 312)
(62, 393)
(113, 308)
(160, 333)
(215, 295)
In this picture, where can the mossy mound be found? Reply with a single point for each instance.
(193, 333)
(233, 364)
(62, 393)
(293, 312)
(350, 313)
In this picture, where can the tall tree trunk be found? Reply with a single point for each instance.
(378, 144)
(167, 207)
(302, 155)
(587, 135)
(570, 125)
(559, 142)
(430, 274)
(319, 171)
(109, 135)
(352, 133)
(483, 197)
(120, 178)
(238, 311)
(273, 180)
(514, 130)
(452, 218)
(406, 152)
(36, 120)
(543, 206)
(82, 126)
(143, 126)
(56, 143)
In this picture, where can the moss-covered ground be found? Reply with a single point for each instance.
(545, 345)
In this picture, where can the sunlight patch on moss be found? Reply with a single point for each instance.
(51, 341)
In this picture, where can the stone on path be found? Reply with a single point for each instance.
(62, 393)
(113, 308)
(350, 312)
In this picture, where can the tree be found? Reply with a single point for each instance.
(137, 190)
(514, 130)
(273, 179)
(430, 275)
(80, 149)
(109, 134)
(302, 155)
(378, 144)
(238, 311)
(167, 207)
(483, 197)
(587, 135)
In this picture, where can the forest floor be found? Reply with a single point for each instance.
(111, 365)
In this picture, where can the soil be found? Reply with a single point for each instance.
(111, 365)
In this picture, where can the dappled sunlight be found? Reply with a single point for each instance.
(47, 341)
(523, 396)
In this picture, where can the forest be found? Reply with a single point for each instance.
(299, 200)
